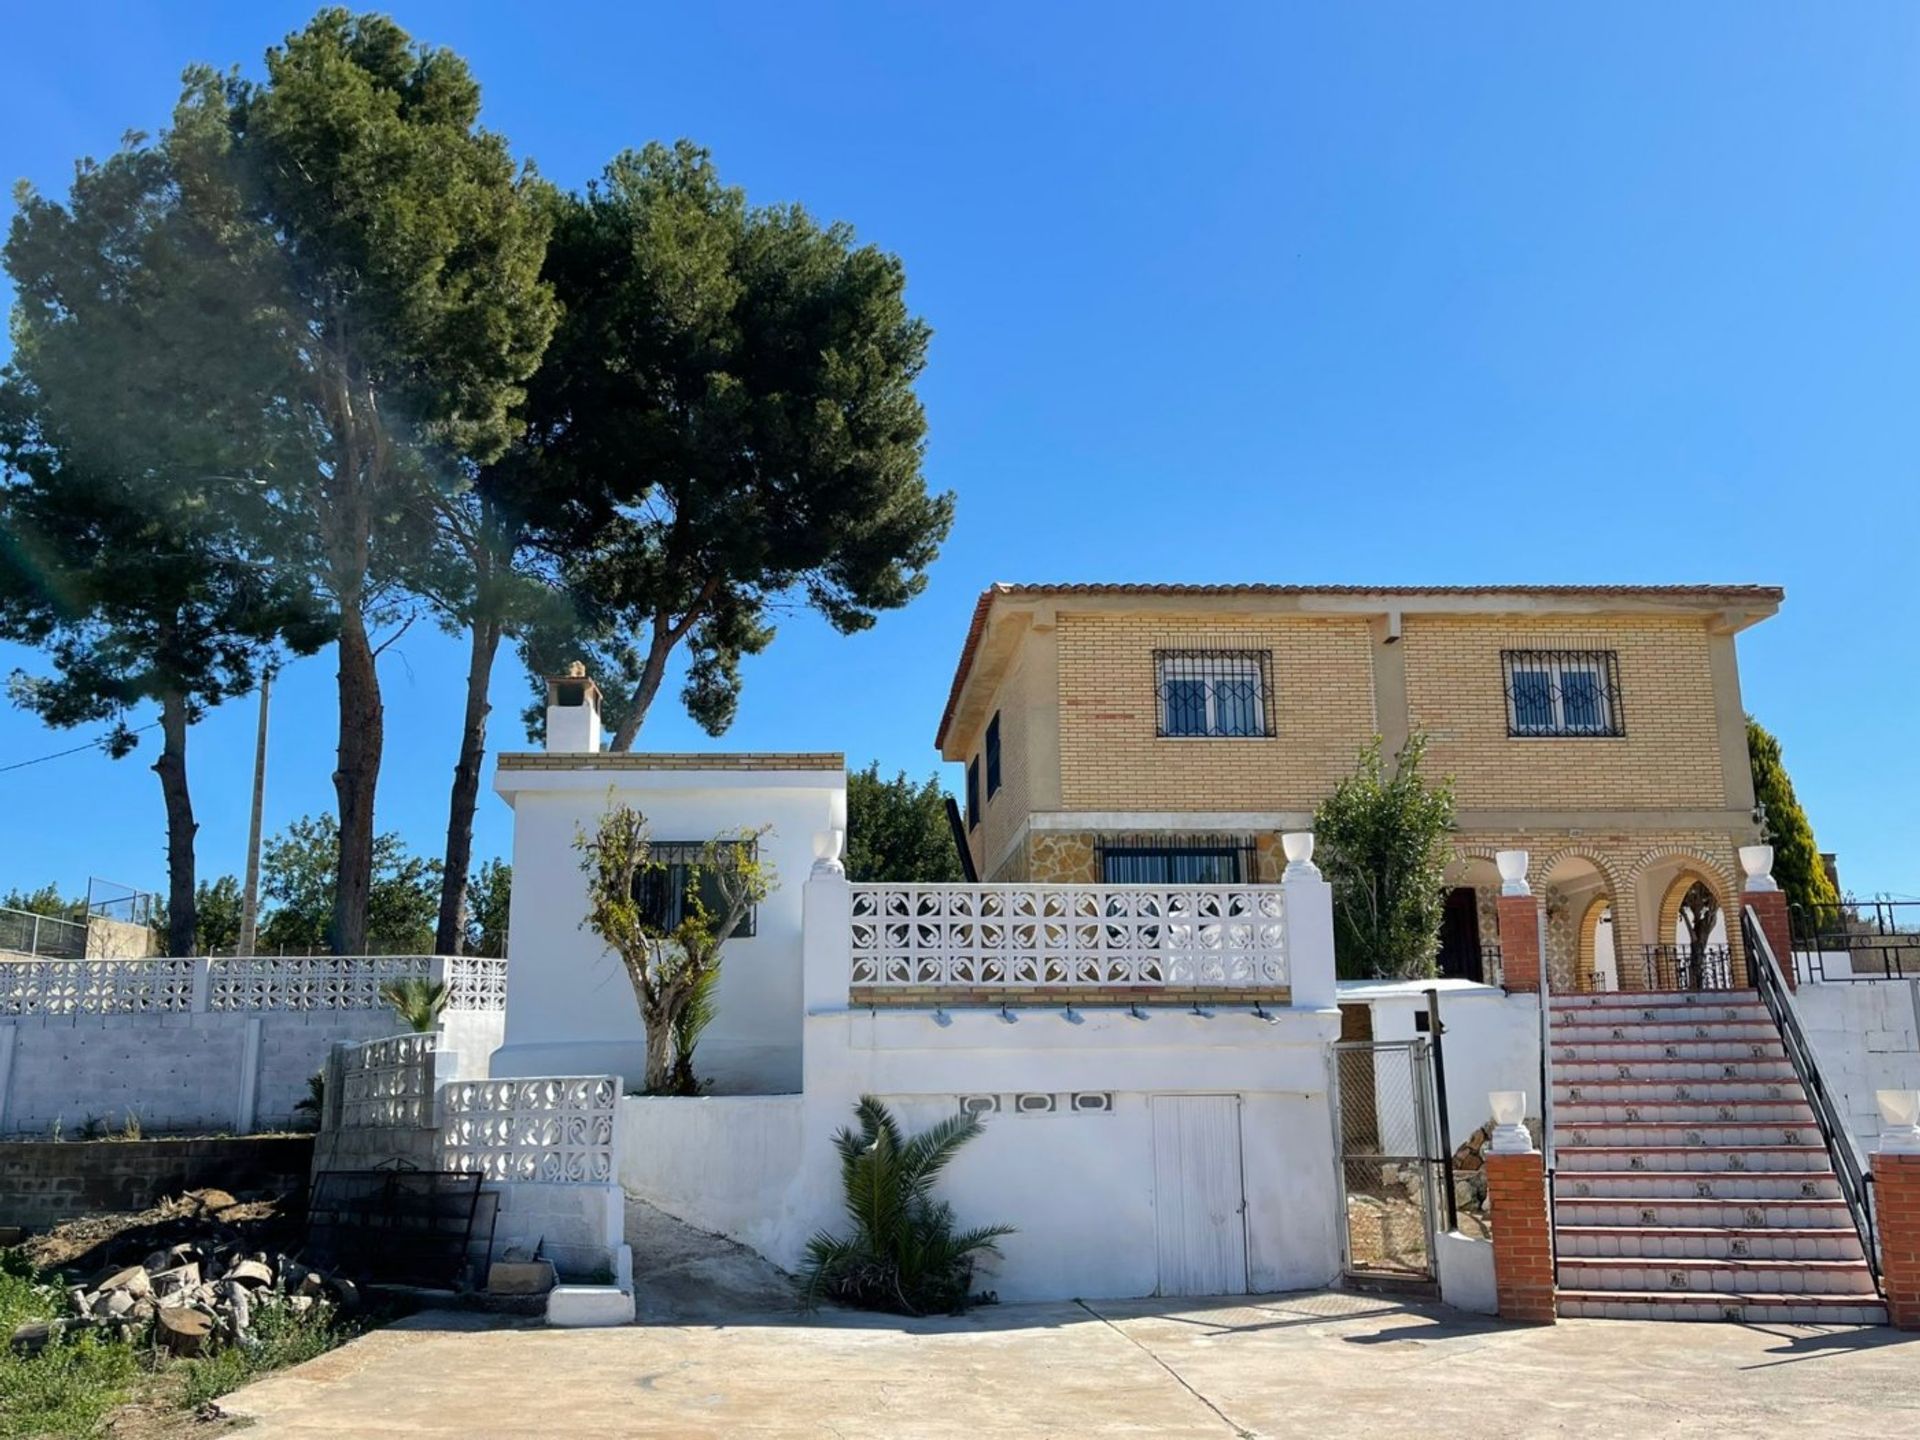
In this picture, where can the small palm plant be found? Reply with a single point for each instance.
(904, 1255)
(417, 1001)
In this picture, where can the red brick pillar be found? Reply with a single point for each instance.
(1520, 942)
(1522, 1236)
(1896, 1182)
(1770, 908)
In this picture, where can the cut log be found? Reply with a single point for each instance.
(184, 1332)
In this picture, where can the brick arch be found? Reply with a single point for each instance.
(1571, 939)
(1717, 875)
(1596, 858)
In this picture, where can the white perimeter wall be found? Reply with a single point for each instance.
(1079, 1187)
(225, 1070)
(570, 1007)
(1866, 1038)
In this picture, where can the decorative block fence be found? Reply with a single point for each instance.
(209, 1044)
(1005, 944)
(547, 1146)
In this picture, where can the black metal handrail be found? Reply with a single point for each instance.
(1879, 938)
(1856, 1183)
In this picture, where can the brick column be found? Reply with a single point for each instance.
(1770, 908)
(1896, 1182)
(1522, 1236)
(1520, 958)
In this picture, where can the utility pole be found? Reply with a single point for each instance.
(250, 905)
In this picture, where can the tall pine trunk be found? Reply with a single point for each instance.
(354, 780)
(183, 922)
(484, 644)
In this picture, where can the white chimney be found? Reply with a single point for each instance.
(573, 713)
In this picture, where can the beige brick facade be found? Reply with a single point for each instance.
(1614, 823)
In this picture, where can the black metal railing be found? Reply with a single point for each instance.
(1685, 967)
(1856, 1182)
(1871, 940)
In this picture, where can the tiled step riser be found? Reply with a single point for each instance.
(1677, 1244)
(1653, 1185)
(1642, 1033)
(1574, 1159)
(1585, 1136)
(1585, 1072)
(1682, 999)
(1621, 1015)
(1655, 1092)
(1727, 1278)
(1668, 1214)
(1733, 1309)
(1641, 1111)
(1696, 1052)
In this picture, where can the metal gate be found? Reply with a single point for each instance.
(1391, 1157)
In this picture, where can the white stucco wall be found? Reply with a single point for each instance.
(1866, 1037)
(725, 1164)
(570, 1007)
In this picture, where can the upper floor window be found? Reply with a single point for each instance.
(1221, 693)
(993, 755)
(662, 888)
(973, 792)
(1562, 692)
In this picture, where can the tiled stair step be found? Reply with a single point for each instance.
(1742, 1309)
(1700, 1092)
(1661, 1159)
(1696, 1212)
(1643, 1135)
(1646, 1032)
(1576, 1072)
(1682, 1242)
(1721, 1277)
(1652, 1185)
(1794, 1111)
(1687, 999)
(1704, 1052)
(1611, 1015)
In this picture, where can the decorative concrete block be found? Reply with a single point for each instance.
(579, 1307)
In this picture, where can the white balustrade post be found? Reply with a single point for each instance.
(1307, 900)
(826, 938)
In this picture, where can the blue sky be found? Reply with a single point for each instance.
(1395, 293)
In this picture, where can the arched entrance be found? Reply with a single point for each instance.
(1689, 946)
(1470, 925)
(1577, 892)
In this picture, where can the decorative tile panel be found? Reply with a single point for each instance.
(1067, 936)
(549, 1129)
(387, 1084)
(97, 987)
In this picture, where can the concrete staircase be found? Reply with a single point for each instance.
(1691, 1180)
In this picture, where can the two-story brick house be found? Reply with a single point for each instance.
(1171, 732)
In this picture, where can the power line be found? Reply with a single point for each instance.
(99, 744)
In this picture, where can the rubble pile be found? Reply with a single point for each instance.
(196, 1293)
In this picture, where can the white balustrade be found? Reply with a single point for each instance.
(554, 1129)
(387, 1084)
(239, 984)
(1089, 936)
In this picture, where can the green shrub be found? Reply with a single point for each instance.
(904, 1255)
(67, 1389)
(277, 1338)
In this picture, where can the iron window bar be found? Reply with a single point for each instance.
(1176, 860)
(661, 888)
(1562, 693)
(1214, 694)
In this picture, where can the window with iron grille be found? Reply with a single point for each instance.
(973, 792)
(993, 755)
(1182, 860)
(1562, 692)
(1222, 694)
(661, 889)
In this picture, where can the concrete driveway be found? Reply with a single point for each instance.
(1320, 1365)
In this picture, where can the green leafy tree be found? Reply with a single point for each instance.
(1796, 855)
(898, 831)
(490, 894)
(297, 873)
(129, 528)
(670, 963)
(1382, 844)
(904, 1255)
(389, 252)
(728, 410)
(46, 901)
(217, 905)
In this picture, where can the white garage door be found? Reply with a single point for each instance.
(1199, 1206)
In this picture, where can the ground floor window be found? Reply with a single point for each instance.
(1176, 860)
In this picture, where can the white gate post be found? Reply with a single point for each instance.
(1307, 902)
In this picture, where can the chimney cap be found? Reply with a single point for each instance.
(573, 687)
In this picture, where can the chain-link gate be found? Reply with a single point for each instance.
(1390, 1158)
